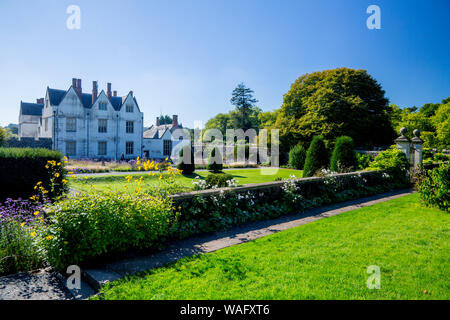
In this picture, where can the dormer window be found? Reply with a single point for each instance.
(129, 108)
(102, 106)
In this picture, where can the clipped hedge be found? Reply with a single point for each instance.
(297, 156)
(218, 180)
(316, 157)
(22, 168)
(343, 158)
(186, 168)
(213, 166)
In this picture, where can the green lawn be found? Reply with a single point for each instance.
(116, 183)
(326, 259)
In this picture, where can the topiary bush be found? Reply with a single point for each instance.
(213, 165)
(297, 156)
(186, 168)
(22, 168)
(316, 157)
(434, 187)
(343, 158)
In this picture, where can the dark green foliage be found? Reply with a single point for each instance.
(316, 157)
(165, 119)
(434, 186)
(297, 157)
(343, 158)
(218, 180)
(213, 165)
(21, 169)
(187, 168)
(242, 99)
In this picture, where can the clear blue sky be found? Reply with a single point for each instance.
(185, 57)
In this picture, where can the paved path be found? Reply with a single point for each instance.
(120, 173)
(222, 239)
(45, 285)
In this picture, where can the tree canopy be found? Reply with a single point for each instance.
(333, 103)
(242, 98)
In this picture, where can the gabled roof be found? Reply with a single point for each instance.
(157, 132)
(56, 96)
(31, 109)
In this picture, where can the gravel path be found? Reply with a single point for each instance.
(38, 285)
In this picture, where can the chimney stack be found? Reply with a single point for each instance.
(74, 83)
(157, 121)
(79, 87)
(40, 101)
(108, 91)
(175, 121)
(114, 93)
(94, 91)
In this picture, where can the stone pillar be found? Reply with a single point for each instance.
(417, 146)
(403, 143)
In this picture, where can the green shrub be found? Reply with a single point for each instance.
(434, 187)
(218, 180)
(441, 157)
(213, 165)
(92, 225)
(186, 168)
(316, 157)
(297, 157)
(343, 158)
(363, 160)
(393, 161)
(21, 169)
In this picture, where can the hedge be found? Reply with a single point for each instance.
(297, 156)
(213, 166)
(316, 157)
(186, 168)
(22, 168)
(344, 156)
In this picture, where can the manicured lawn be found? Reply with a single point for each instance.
(116, 183)
(326, 259)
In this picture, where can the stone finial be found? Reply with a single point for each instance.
(416, 138)
(403, 137)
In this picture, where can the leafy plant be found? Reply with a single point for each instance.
(316, 157)
(434, 187)
(343, 158)
(297, 156)
(363, 160)
(392, 161)
(218, 180)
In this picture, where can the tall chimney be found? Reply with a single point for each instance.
(175, 121)
(114, 93)
(94, 91)
(79, 87)
(74, 83)
(40, 101)
(157, 121)
(108, 91)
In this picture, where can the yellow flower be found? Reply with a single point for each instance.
(160, 177)
(36, 213)
(70, 172)
(39, 183)
(57, 175)
(49, 237)
(167, 158)
(64, 181)
(33, 234)
(22, 224)
(74, 176)
(85, 177)
(59, 163)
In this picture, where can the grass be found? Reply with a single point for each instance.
(326, 259)
(117, 182)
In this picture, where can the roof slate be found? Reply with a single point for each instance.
(31, 109)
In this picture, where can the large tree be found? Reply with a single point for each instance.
(242, 99)
(334, 103)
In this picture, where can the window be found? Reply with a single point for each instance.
(167, 147)
(102, 125)
(129, 108)
(102, 148)
(102, 106)
(71, 148)
(129, 146)
(71, 124)
(46, 124)
(130, 126)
